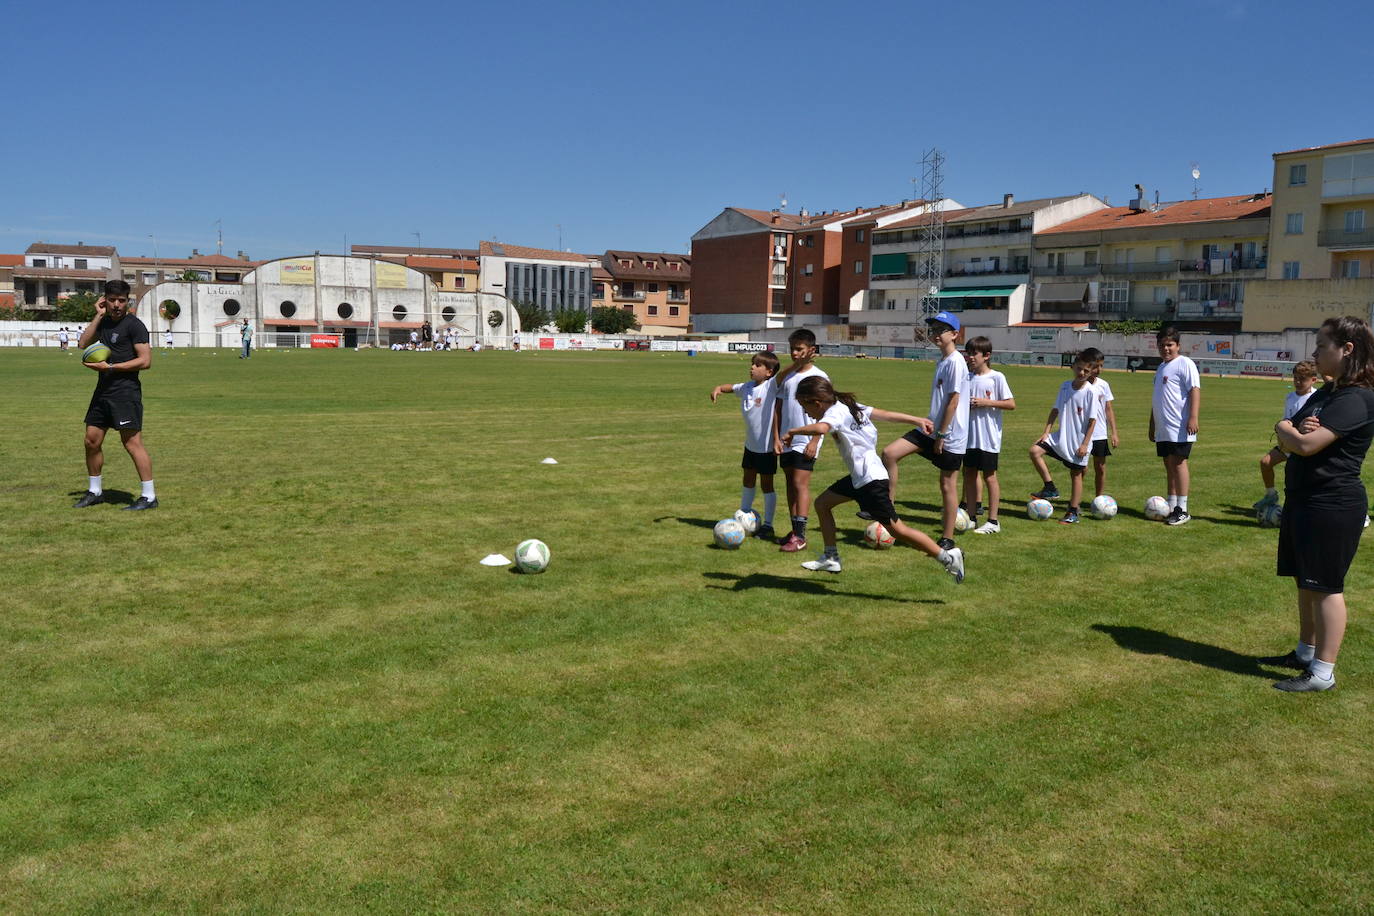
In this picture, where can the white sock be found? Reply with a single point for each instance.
(746, 499)
(1321, 670)
(770, 505)
(96, 484)
(148, 492)
(1271, 492)
(1304, 652)
(1183, 503)
(1173, 502)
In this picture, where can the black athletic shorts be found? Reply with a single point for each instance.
(796, 461)
(925, 445)
(1171, 449)
(872, 497)
(765, 463)
(1317, 546)
(1049, 450)
(1101, 448)
(976, 459)
(123, 415)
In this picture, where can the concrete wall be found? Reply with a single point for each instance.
(1276, 305)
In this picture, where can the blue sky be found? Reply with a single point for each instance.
(632, 124)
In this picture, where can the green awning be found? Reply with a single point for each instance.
(981, 293)
(889, 264)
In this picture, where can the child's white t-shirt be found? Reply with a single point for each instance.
(1174, 381)
(951, 375)
(857, 442)
(1104, 394)
(1076, 407)
(1293, 403)
(756, 400)
(792, 413)
(985, 423)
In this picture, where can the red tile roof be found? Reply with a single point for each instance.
(424, 252)
(203, 260)
(11, 260)
(503, 250)
(1313, 149)
(66, 272)
(640, 268)
(1207, 210)
(45, 248)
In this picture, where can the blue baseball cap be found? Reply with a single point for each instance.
(945, 318)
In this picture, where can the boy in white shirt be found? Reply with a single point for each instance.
(757, 399)
(1104, 435)
(945, 446)
(989, 395)
(1304, 383)
(1174, 419)
(1076, 409)
(797, 458)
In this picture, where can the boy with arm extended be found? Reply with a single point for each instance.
(1076, 409)
(1105, 437)
(757, 400)
(1174, 411)
(989, 395)
(797, 458)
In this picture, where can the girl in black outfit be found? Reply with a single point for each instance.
(1325, 503)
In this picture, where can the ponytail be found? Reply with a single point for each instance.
(817, 387)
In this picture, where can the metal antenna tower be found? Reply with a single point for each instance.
(930, 243)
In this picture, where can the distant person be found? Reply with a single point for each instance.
(414, 340)
(1174, 419)
(757, 398)
(989, 396)
(1304, 384)
(427, 335)
(246, 335)
(117, 402)
(63, 338)
(167, 339)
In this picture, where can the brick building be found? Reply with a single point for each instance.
(654, 285)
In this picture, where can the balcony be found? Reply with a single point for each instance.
(1339, 238)
(993, 272)
(1229, 265)
(1143, 267)
(1069, 270)
(622, 296)
(1002, 238)
(1211, 308)
(677, 298)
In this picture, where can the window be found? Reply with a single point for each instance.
(1115, 296)
(628, 308)
(1350, 270)
(81, 264)
(651, 287)
(398, 313)
(779, 240)
(345, 310)
(674, 311)
(449, 313)
(598, 290)
(806, 298)
(1163, 254)
(858, 235)
(624, 263)
(777, 303)
(39, 262)
(1297, 174)
(1291, 269)
(460, 282)
(1161, 294)
(1352, 173)
(779, 278)
(288, 309)
(810, 241)
(1354, 221)
(1293, 224)
(651, 265)
(807, 270)
(1090, 259)
(858, 267)
(653, 310)
(231, 307)
(149, 277)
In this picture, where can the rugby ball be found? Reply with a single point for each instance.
(1156, 508)
(962, 522)
(729, 534)
(748, 520)
(878, 537)
(1104, 507)
(1270, 515)
(95, 353)
(532, 556)
(1039, 509)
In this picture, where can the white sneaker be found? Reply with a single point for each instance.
(1366, 521)
(954, 565)
(988, 527)
(824, 564)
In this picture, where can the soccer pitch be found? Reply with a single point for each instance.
(293, 688)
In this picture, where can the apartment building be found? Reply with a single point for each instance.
(51, 272)
(8, 262)
(1323, 226)
(550, 279)
(1189, 261)
(653, 285)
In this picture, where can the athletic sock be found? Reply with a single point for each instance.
(96, 484)
(148, 492)
(1321, 670)
(1183, 503)
(1173, 502)
(1304, 652)
(799, 526)
(746, 499)
(833, 551)
(1271, 493)
(770, 505)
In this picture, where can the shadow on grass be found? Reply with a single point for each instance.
(698, 522)
(1153, 642)
(802, 585)
(117, 497)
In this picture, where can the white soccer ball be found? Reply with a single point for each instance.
(1039, 509)
(1270, 515)
(729, 534)
(1104, 507)
(532, 556)
(1156, 508)
(749, 521)
(878, 537)
(962, 522)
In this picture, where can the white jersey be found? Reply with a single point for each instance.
(1293, 403)
(1104, 395)
(857, 442)
(1174, 381)
(985, 423)
(951, 375)
(756, 401)
(792, 413)
(62, 336)
(1076, 407)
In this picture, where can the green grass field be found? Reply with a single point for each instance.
(293, 688)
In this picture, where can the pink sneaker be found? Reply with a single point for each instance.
(793, 544)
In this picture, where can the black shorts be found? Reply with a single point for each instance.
(1101, 449)
(765, 463)
(925, 446)
(1174, 449)
(107, 413)
(976, 459)
(872, 497)
(1049, 450)
(1317, 546)
(796, 461)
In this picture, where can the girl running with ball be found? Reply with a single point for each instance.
(851, 424)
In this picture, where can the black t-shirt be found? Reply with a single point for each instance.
(120, 336)
(1331, 477)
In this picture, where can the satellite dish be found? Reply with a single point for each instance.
(1197, 173)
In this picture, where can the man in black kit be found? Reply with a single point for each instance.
(118, 399)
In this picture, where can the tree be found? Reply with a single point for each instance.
(77, 307)
(607, 320)
(189, 276)
(532, 317)
(495, 319)
(570, 321)
(15, 313)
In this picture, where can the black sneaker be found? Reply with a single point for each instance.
(1178, 517)
(945, 543)
(89, 499)
(140, 504)
(1304, 683)
(765, 532)
(1290, 660)
(1048, 491)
